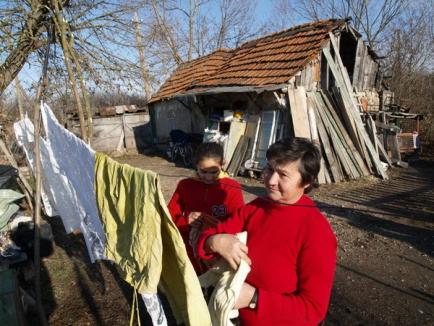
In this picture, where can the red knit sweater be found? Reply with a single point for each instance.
(219, 199)
(293, 253)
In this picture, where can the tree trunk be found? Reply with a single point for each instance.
(28, 42)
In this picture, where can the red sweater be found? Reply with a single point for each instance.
(219, 199)
(293, 253)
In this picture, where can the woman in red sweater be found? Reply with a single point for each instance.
(290, 245)
(204, 200)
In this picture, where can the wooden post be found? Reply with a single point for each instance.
(60, 26)
(38, 185)
(19, 97)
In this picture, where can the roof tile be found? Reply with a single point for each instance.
(270, 60)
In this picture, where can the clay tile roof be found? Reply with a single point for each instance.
(270, 60)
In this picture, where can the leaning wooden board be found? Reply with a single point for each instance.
(298, 107)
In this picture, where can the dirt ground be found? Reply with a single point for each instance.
(385, 271)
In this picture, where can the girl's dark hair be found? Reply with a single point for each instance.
(292, 149)
(208, 150)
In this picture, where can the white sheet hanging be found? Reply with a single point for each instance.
(68, 182)
(24, 134)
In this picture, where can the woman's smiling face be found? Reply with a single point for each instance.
(283, 182)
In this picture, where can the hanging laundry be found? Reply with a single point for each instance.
(24, 134)
(227, 287)
(143, 240)
(68, 166)
(74, 198)
(7, 205)
(74, 163)
(61, 192)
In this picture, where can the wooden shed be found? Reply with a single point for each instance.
(315, 80)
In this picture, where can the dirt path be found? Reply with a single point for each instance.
(385, 267)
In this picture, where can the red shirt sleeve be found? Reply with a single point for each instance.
(235, 196)
(316, 265)
(176, 208)
(232, 225)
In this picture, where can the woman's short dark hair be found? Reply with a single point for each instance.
(293, 149)
(208, 150)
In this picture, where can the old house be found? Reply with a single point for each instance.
(318, 80)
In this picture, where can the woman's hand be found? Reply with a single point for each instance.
(245, 297)
(230, 248)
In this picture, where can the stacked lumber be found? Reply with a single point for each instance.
(346, 136)
(342, 160)
(349, 109)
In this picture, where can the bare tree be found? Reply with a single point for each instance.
(235, 23)
(95, 42)
(409, 63)
(370, 17)
(96, 30)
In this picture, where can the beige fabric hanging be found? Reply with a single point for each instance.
(228, 284)
(143, 241)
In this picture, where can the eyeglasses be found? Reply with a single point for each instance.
(204, 172)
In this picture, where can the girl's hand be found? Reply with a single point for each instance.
(194, 216)
(209, 221)
(198, 218)
(230, 248)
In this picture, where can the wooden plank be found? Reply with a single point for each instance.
(384, 154)
(312, 121)
(315, 137)
(237, 158)
(349, 168)
(308, 76)
(242, 156)
(327, 175)
(252, 129)
(363, 64)
(354, 112)
(339, 132)
(298, 107)
(356, 71)
(327, 148)
(348, 120)
(353, 130)
(235, 132)
(372, 131)
(352, 149)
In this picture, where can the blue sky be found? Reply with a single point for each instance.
(31, 74)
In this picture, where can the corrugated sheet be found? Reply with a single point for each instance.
(270, 60)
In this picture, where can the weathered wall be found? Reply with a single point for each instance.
(169, 115)
(128, 131)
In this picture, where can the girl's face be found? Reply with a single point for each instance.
(208, 169)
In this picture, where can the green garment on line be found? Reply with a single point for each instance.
(7, 206)
(142, 239)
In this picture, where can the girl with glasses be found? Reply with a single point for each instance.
(205, 199)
